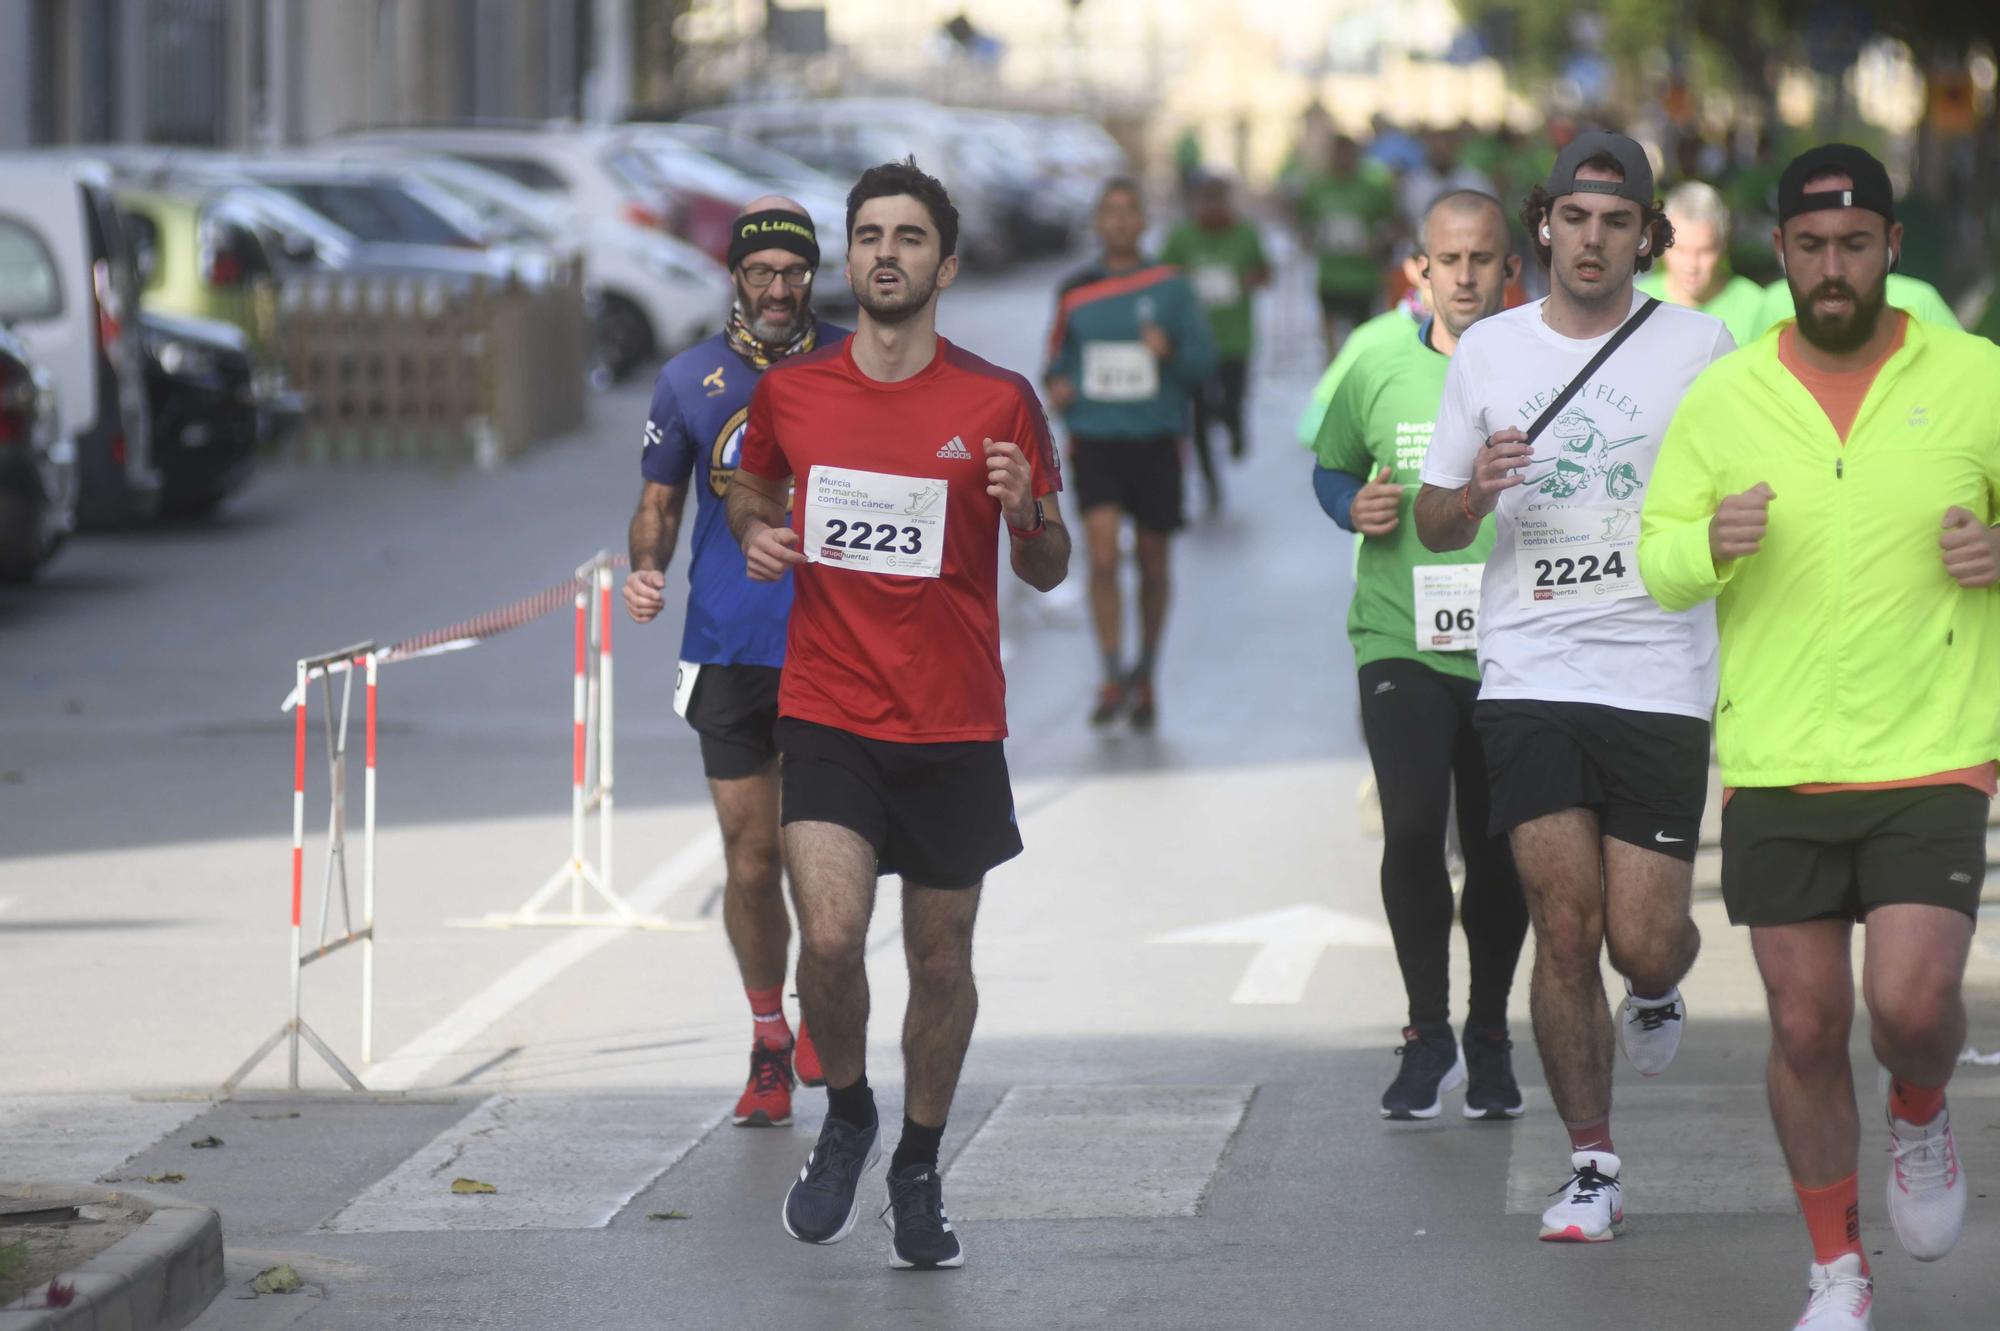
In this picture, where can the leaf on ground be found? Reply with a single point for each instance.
(465, 1187)
(166, 1178)
(289, 1113)
(206, 1143)
(279, 1279)
(668, 1215)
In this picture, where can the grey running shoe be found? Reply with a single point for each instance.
(924, 1239)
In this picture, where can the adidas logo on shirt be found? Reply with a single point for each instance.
(955, 450)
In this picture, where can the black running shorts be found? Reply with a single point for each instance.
(1644, 774)
(1357, 307)
(940, 815)
(1140, 476)
(734, 708)
(1787, 857)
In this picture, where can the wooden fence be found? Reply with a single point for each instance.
(428, 370)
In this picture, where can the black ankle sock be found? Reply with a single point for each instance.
(919, 1145)
(852, 1104)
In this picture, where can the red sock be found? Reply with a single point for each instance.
(1592, 1136)
(767, 1010)
(1915, 1105)
(1833, 1220)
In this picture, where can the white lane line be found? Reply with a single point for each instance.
(78, 1138)
(1096, 1152)
(556, 1161)
(415, 1060)
(1289, 944)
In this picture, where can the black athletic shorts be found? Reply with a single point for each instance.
(1644, 774)
(1787, 857)
(734, 708)
(1141, 476)
(1354, 306)
(941, 815)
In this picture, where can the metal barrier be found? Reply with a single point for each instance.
(362, 657)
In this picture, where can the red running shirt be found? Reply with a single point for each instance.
(904, 657)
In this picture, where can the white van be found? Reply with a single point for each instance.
(84, 330)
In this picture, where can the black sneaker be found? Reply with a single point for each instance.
(1110, 704)
(924, 1239)
(821, 1207)
(1432, 1065)
(1491, 1092)
(1145, 713)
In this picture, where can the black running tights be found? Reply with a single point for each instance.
(1418, 723)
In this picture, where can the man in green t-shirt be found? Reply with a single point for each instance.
(1695, 270)
(1413, 625)
(1346, 214)
(1222, 257)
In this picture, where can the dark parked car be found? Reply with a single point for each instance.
(37, 466)
(208, 419)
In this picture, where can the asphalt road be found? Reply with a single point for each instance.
(1133, 1144)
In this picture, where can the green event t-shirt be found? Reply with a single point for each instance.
(1740, 303)
(1342, 219)
(1218, 265)
(1914, 294)
(1382, 416)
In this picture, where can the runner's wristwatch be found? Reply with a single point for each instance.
(1034, 532)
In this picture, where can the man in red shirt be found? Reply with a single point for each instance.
(892, 707)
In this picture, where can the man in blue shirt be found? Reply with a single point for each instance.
(733, 646)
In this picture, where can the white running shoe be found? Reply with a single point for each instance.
(1649, 1030)
(1838, 1296)
(1592, 1205)
(1926, 1187)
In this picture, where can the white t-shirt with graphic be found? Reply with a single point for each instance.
(1563, 615)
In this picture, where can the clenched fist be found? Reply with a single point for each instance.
(1739, 524)
(1378, 506)
(645, 594)
(1971, 549)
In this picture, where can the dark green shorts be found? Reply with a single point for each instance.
(1788, 858)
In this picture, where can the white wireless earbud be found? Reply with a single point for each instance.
(1546, 238)
(1894, 258)
(1645, 243)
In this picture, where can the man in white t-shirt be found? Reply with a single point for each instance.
(1594, 703)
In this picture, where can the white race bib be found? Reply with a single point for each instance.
(1447, 603)
(1586, 553)
(1343, 233)
(873, 522)
(1119, 372)
(685, 675)
(1217, 284)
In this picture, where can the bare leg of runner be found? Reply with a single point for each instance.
(833, 887)
(1651, 938)
(1155, 589)
(944, 999)
(1101, 527)
(1809, 986)
(1913, 979)
(1557, 857)
(753, 903)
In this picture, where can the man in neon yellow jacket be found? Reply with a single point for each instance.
(1834, 487)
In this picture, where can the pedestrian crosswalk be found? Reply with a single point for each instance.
(81, 1138)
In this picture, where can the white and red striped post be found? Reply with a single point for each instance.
(604, 617)
(368, 875)
(298, 860)
(578, 748)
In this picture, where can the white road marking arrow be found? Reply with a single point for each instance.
(1288, 942)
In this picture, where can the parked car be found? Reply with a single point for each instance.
(37, 461)
(199, 255)
(845, 136)
(70, 288)
(612, 193)
(211, 416)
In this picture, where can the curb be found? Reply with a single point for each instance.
(160, 1277)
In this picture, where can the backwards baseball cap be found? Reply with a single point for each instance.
(1632, 164)
(773, 229)
(1871, 189)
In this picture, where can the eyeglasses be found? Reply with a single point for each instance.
(758, 276)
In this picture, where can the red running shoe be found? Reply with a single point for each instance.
(805, 1059)
(767, 1099)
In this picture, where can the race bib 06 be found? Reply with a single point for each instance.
(1586, 553)
(1447, 605)
(874, 522)
(1119, 372)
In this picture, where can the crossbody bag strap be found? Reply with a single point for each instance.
(1617, 340)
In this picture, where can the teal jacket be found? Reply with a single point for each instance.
(1122, 392)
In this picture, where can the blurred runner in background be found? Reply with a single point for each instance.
(1222, 257)
(1347, 212)
(1129, 350)
(1695, 271)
